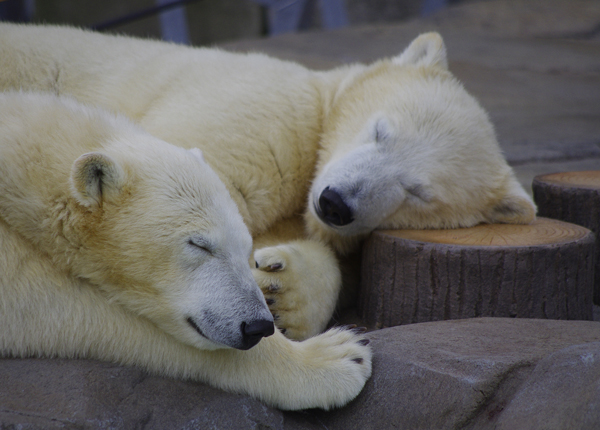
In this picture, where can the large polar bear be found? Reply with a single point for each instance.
(118, 246)
(314, 160)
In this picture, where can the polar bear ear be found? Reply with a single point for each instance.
(198, 154)
(95, 177)
(516, 207)
(426, 50)
(382, 130)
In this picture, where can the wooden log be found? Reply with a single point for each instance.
(573, 197)
(540, 270)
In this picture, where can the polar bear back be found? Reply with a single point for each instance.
(266, 111)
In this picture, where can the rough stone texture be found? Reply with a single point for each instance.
(527, 172)
(464, 373)
(564, 389)
(460, 374)
(56, 394)
(546, 18)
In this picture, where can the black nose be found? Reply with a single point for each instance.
(333, 209)
(253, 332)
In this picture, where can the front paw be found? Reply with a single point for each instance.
(300, 281)
(283, 298)
(343, 358)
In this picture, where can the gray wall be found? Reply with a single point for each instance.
(209, 21)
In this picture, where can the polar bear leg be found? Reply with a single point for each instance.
(301, 281)
(325, 371)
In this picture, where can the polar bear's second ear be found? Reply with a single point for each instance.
(516, 207)
(196, 152)
(426, 50)
(95, 177)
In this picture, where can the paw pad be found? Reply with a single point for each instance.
(276, 267)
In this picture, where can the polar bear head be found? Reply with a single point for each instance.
(146, 224)
(405, 146)
(170, 243)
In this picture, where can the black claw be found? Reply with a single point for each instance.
(283, 331)
(358, 360)
(359, 330)
(364, 342)
(256, 262)
(275, 317)
(270, 302)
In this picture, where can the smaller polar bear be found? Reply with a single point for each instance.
(118, 246)
(314, 160)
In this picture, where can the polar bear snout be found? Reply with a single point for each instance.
(254, 331)
(332, 209)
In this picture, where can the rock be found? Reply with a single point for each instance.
(564, 389)
(460, 374)
(55, 394)
(463, 374)
(542, 18)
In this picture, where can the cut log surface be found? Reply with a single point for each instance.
(573, 197)
(540, 270)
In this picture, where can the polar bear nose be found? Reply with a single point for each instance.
(333, 209)
(253, 332)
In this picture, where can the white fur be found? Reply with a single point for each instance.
(111, 239)
(400, 140)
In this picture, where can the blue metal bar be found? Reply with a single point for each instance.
(333, 13)
(134, 16)
(173, 23)
(292, 15)
(429, 7)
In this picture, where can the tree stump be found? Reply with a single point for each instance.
(572, 197)
(540, 270)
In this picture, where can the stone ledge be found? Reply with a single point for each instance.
(475, 373)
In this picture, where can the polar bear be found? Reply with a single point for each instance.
(314, 160)
(118, 246)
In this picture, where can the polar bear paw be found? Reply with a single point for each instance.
(343, 359)
(301, 282)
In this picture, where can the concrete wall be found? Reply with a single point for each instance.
(210, 21)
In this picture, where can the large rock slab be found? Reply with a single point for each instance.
(461, 374)
(49, 394)
(473, 373)
(564, 389)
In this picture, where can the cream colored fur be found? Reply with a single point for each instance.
(111, 240)
(401, 141)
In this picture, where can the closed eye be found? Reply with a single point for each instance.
(200, 243)
(419, 192)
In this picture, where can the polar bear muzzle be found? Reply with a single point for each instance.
(251, 332)
(332, 209)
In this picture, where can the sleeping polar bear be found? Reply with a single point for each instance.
(314, 160)
(117, 246)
